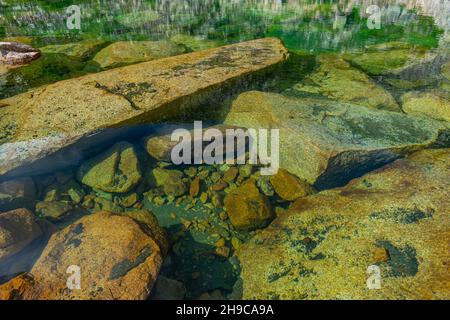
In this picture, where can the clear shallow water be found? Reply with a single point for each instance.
(307, 28)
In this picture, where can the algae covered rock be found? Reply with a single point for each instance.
(82, 50)
(336, 79)
(171, 181)
(128, 52)
(116, 256)
(195, 43)
(247, 208)
(327, 143)
(18, 228)
(289, 187)
(428, 104)
(116, 171)
(394, 220)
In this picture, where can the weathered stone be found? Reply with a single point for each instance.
(128, 52)
(18, 228)
(82, 50)
(231, 174)
(38, 124)
(322, 247)
(54, 210)
(160, 146)
(426, 103)
(117, 170)
(446, 70)
(195, 43)
(171, 181)
(289, 187)
(17, 193)
(15, 53)
(247, 208)
(118, 259)
(336, 79)
(327, 143)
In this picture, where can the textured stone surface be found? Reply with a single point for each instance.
(247, 208)
(328, 143)
(336, 79)
(82, 50)
(16, 53)
(38, 124)
(289, 187)
(128, 52)
(18, 228)
(117, 170)
(117, 256)
(427, 104)
(322, 247)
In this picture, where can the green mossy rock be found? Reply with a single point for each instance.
(171, 181)
(124, 53)
(82, 50)
(428, 104)
(336, 79)
(323, 246)
(115, 171)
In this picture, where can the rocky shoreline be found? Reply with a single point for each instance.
(363, 180)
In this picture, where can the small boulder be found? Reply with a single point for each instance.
(53, 210)
(428, 104)
(115, 171)
(289, 187)
(171, 181)
(16, 54)
(17, 193)
(247, 208)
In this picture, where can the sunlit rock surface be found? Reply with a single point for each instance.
(327, 143)
(37, 124)
(395, 218)
(118, 258)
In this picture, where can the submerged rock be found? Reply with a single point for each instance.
(82, 50)
(336, 79)
(395, 218)
(16, 54)
(17, 193)
(53, 210)
(116, 171)
(128, 52)
(195, 43)
(117, 257)
(38, 124)
(247, 208)
(328, 143)
(171, 181)
(428, 104)
(168, 289)
(18, 228)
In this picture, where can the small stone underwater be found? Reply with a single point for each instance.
(94, 206)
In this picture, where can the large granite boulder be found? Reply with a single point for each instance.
(328, 143)
(18, 228)
(116, 171)
(327, 246)
(37, 124)
(128, 52)
(336, 79)
(117, 258)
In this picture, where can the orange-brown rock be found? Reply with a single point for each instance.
(247, 208)
(118, 258)
(289, 187)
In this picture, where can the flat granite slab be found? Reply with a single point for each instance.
(40, 123)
